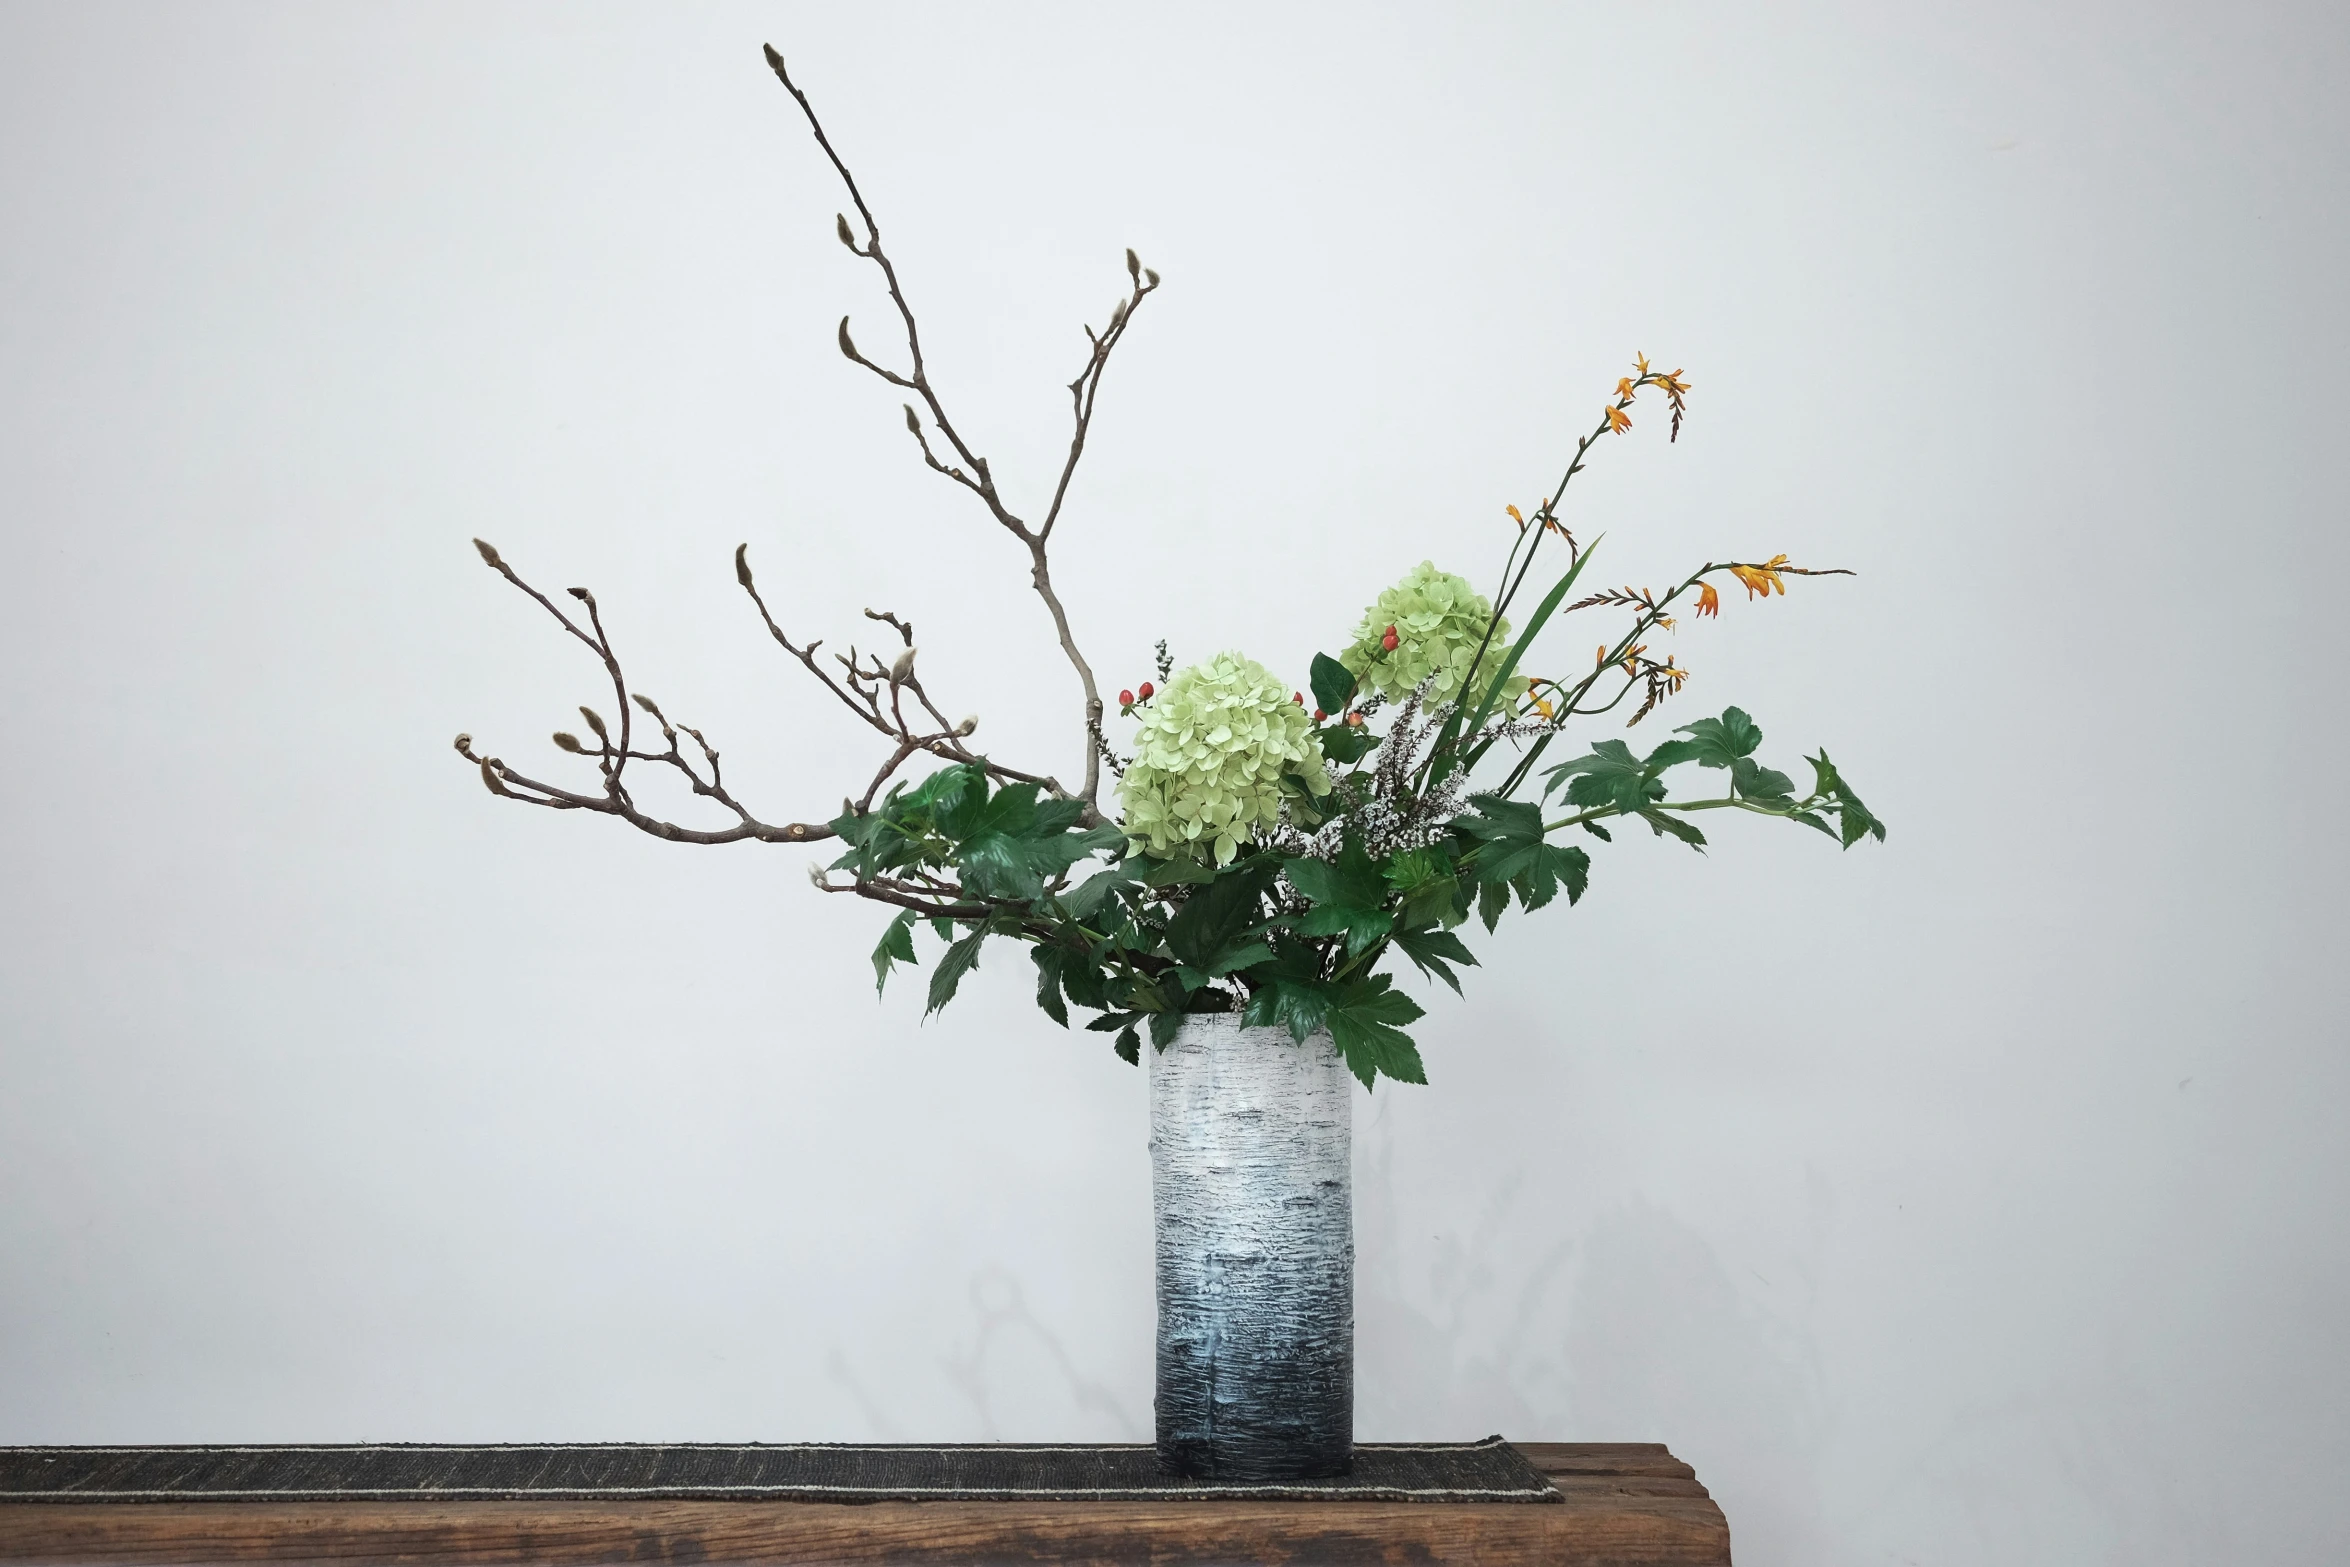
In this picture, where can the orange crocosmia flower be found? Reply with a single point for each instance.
(1708, 601)
(1542, 706)
(1640, 362)
(1617, 420)
(1632, 659)
(1514, 517)
(1676, 676)
(1624, 387)
(1762, 579)
(1603, 655)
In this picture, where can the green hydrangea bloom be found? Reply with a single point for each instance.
(1209, 762)
(1439, 621)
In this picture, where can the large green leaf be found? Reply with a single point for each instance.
(1363, 1019)
(960, 959)
(896, 946)
(1609, 775)
(1216, 914)
(1434, 951)
(1855, 818)
(1332, 683)
(1050, 961)
(1722, 741)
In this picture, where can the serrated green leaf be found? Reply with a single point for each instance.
(1164, 1027)
(896, 946)
(1722, 741)
(1609, 776)
(1433, 951)
(996, 865)
(1663, 825)
(1129, 1046)
(960, 959)
(1363, 1019)
(1758, 783)
(1492, 898)
(1050, 961)
(1548, 868)
(1671, 754)
(1332, 684)
(1086, 899)
(1597, 831)
(1181, 871)
(943, 928)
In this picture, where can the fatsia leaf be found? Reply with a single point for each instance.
(1164, 1027)
(996, 865)
(896, 946)
(1759, 783)
(1434, 951)
(1548, 868)
(1609, 776)
(1722, 741)
(1212, 917)
(960, 959)
(1671, 754)
(1492, 898)
(1363, 1019)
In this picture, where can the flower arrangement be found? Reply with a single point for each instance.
(1274, 853)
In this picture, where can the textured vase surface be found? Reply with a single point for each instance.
(1252, 1147)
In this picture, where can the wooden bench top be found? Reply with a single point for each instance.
(1629, 1504)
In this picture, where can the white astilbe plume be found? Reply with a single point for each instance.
(1391, 820)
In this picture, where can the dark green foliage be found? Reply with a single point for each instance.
(1332, 684)
(1142, 943)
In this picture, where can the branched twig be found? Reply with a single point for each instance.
(967, 468)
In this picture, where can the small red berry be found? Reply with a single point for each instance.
(1388, 641)
(1147, 688)
(1299, 697)
(1319, 715)
(1354, 720)
(1125, 699)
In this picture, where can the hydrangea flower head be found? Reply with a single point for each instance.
(1214, 748)
(1439, 621)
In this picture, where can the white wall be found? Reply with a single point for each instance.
(1973, 1199)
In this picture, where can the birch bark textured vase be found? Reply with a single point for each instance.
(1252, 1146)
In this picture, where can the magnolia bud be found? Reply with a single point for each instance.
(967, 725)
(583, 595)
(568, 742)
(742, 564)
(464, 743)
(489, 778)
(901, 669)
(1133, 264)
(816, 875)
(1117, 314)
(846, 346)
(489, 553)
(841, 222)
(1150, 277)
(594, 722)
(912, 423)
(645, 702)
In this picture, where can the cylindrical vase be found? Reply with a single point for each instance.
(1252, 1146)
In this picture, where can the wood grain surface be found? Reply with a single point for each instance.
(1629, 1504)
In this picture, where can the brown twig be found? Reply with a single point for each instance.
(968, 468)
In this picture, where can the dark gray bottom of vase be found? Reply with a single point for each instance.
(1278, 1419)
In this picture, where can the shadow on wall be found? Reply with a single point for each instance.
(1662, 1347)
(1022, 1381)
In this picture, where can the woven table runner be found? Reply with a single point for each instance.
(1487, 1471)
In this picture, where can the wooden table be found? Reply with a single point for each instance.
(1629, 1504)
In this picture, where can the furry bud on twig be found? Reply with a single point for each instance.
(841, 223)
(595, 722)
(742, 564)
(816, 875)
(583, 595)
(1133, 265)
(645, 702)
(1117, 314)
(489, 778)
(1150, 277)
(967, 725)
(847, 346)
(568, 742)
(489, 553)
(901, 668)
(464, 743)
(912, 423)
